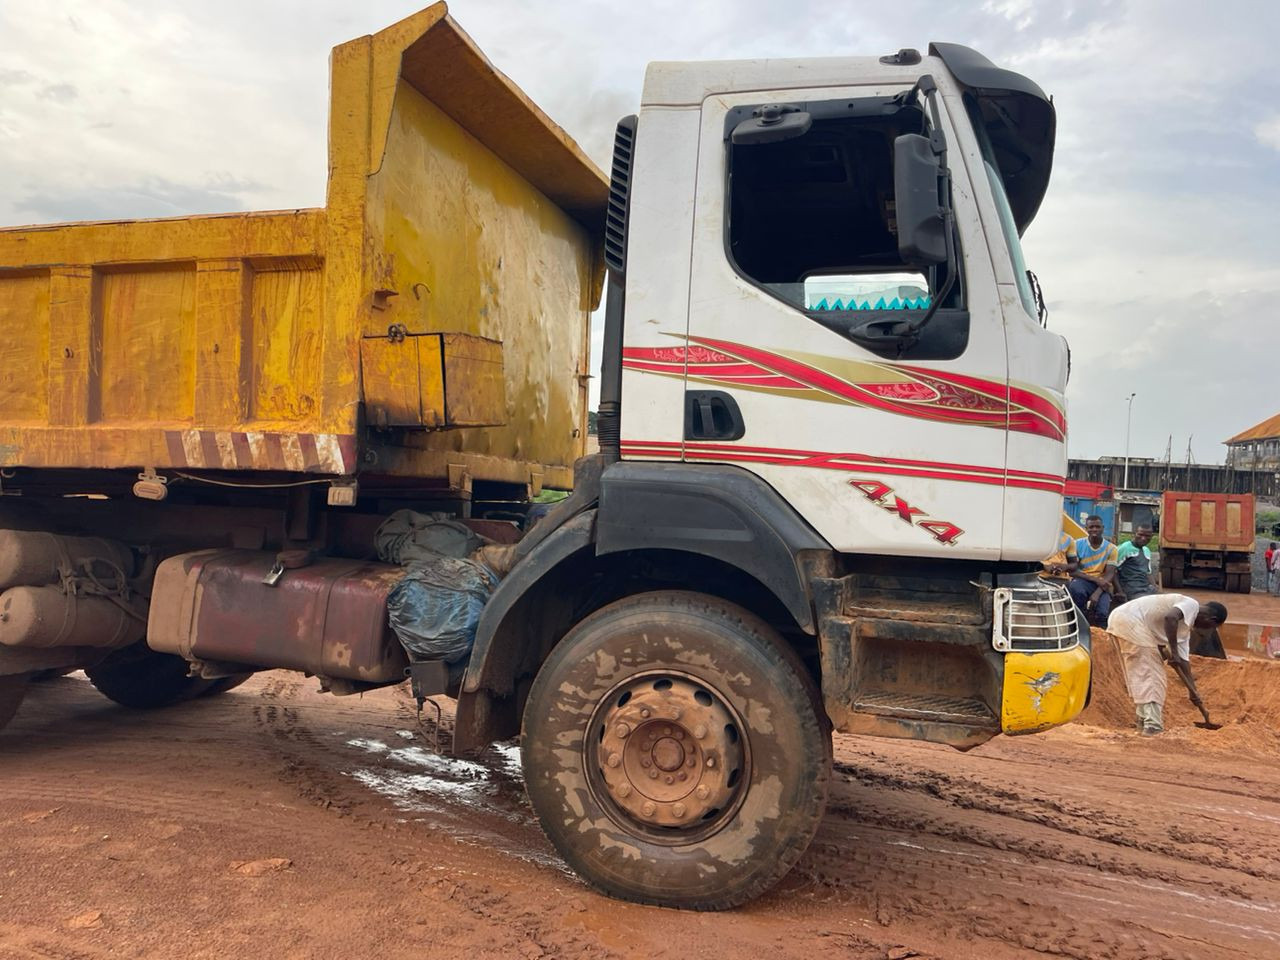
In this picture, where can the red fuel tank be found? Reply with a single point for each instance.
(327, 617)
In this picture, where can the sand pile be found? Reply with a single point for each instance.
(1242, 695)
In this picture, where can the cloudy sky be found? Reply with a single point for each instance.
(1158, 246)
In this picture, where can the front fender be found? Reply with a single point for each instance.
(491, 666)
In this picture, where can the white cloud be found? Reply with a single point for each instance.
(1268, 131)
(1017, 11)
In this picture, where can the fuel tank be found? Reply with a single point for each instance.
(326, 617)
(34, 558)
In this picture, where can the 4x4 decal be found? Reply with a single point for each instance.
(883, 495)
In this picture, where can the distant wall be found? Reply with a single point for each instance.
(1196, 478)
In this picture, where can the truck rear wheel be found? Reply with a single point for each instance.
(223, 684)
(13, 687)
(145, 679)
(674, 752)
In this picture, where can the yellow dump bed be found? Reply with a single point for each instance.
(432, 320)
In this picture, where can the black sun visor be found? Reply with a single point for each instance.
(1020, 122)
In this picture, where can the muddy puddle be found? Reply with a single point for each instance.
(480, 802)
(1251, 640)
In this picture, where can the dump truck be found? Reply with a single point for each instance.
(1207, 538)
(831, 430)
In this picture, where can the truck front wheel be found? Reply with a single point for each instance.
(674, 753)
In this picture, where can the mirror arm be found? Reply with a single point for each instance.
(909, 331)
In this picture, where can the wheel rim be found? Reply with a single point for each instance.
(667, 757)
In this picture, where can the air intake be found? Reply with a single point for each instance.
(615, 228)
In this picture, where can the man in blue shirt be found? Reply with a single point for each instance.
(1093, 580)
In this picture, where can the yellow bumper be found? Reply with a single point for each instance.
(1043, 690)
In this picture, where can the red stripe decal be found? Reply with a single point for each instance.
(854, 462)
(939, 396)
(209, 447)
(310, 457)
(244, 455)
(177, 452)
(275, 452)
(348, 445)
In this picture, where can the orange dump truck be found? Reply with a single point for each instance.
(1207, 536)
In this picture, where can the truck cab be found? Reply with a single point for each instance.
(832, 416)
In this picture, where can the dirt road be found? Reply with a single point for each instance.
(276, 822)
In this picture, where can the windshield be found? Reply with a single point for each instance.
(1007, 225)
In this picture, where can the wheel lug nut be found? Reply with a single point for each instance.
(679, 734)
(711, 762)
(675, 714)
(648, 809)
(653, 774)
(622, 730)
(644, 712)
(700, 731)
(644, 762)
(691, 762)
(682, 776)
(702, 791)
(670, 779)
(624, 789)
(613, 760)
(678, 809)
(666, 731)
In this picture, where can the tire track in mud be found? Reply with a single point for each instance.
(1074, 819)
(1074, 844)
(940, 837)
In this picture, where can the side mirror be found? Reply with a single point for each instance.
(921, 227)
(772, 124)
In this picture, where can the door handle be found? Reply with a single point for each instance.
(712, 415)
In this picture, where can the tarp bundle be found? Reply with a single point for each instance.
(435, 609)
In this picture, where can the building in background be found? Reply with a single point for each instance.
(1257, 448)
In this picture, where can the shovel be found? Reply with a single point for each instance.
(1206, 723)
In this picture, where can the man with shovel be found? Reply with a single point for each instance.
(1150, 630)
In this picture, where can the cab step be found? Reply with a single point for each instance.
(928, 707)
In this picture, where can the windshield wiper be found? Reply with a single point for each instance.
(1042, 309)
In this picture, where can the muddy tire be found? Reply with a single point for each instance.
(13, 687)
(674, 752)
(145, 679)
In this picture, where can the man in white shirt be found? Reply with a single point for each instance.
(1151, 629)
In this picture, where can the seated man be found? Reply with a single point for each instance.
(1133, 567)
(1060, 564)
(1093, 581)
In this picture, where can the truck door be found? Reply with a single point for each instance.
(797, 286)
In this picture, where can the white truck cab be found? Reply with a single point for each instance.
(833, 447)
(904, 406)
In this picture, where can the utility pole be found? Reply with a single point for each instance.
(1128, 419)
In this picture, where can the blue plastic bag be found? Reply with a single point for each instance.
(435, 609)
